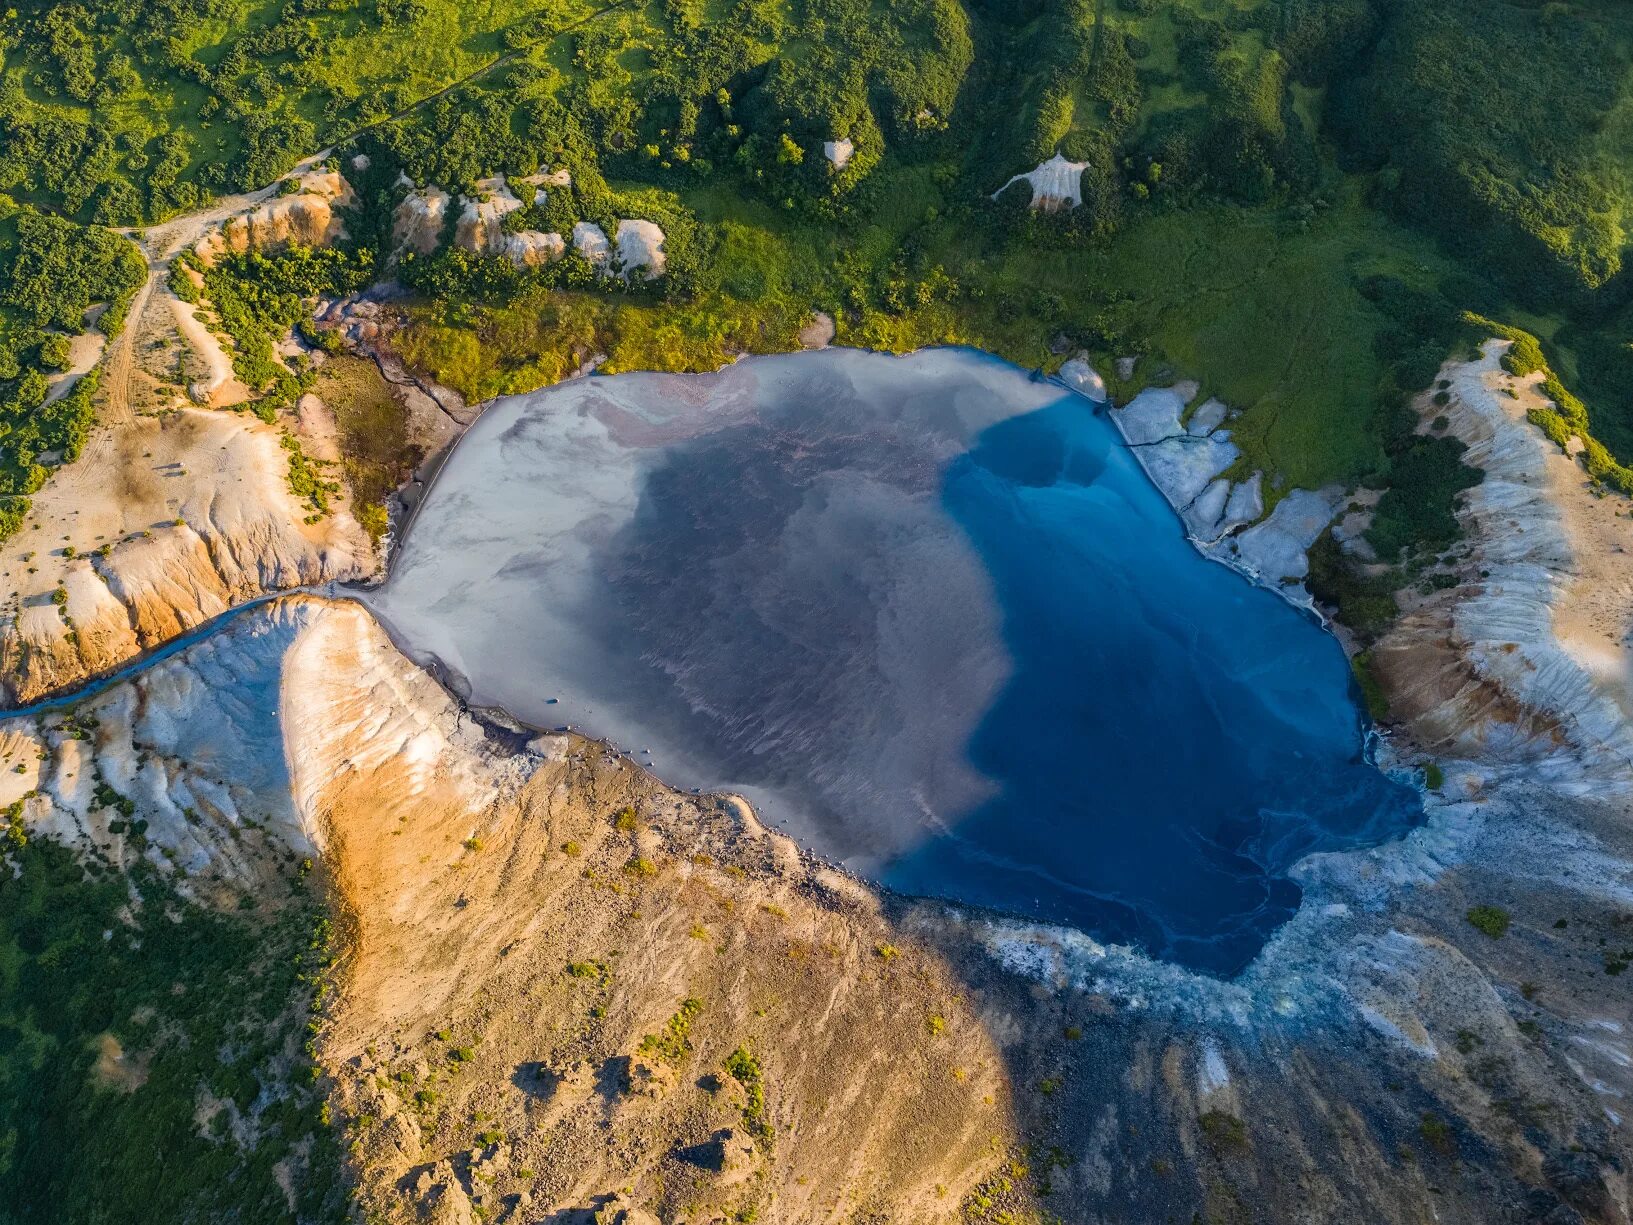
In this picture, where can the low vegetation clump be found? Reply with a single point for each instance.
(1437, 1134)
(306, 482)
(1491, 921)
(1223, 1131)
(743, 1067)
(674, 1041)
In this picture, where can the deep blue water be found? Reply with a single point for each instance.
(928, 614)
(1172, 739)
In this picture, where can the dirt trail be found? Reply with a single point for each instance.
(116, 408)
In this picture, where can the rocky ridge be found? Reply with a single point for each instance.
(1187, 457)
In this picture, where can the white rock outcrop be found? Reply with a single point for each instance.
(1084, 379)
(531, 248)
(480, 227)
(554, 178)
(1187, 459)
(1277, 549)
(1056, 184)
(640, 247)
(1537, 628)
(1182, 464)
(590, 241)
(838, 152)
(418, 220)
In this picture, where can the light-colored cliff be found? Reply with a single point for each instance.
(475, 874)
(307, 214)
(1526, 658)
(171, 520)
(417, 222)
(550, 960)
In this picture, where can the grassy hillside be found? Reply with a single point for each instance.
(52, 273)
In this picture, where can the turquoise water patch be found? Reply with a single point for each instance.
(928, 614)
(1172, 739)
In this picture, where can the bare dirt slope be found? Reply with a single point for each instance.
(167, 520)
(554, 959)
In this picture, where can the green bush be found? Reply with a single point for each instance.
(674, 1042)
(1492, 921)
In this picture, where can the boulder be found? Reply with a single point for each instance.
(590, 241)
(439, 1199)
(640, 245)
(1084, 379)
(620, 1210)
(648, 1078)
(729, 1153)
(416, 223)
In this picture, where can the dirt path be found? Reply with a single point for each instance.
(116, 408)
(161, 243)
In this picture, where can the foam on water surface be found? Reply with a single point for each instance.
(927, 613)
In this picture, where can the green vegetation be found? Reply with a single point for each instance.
(52, 273)
(674, 1041)
(1437, 1134)
(1372, 691)
(1492, 921)
(257, 299)
(743, 1067)
(135, 1027)
(306, 482)
(1524, 165)
(1566, 424)
(377, 456)
(1266, 208)
(1223, 1132)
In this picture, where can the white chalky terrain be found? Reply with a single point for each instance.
(1056, 184)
